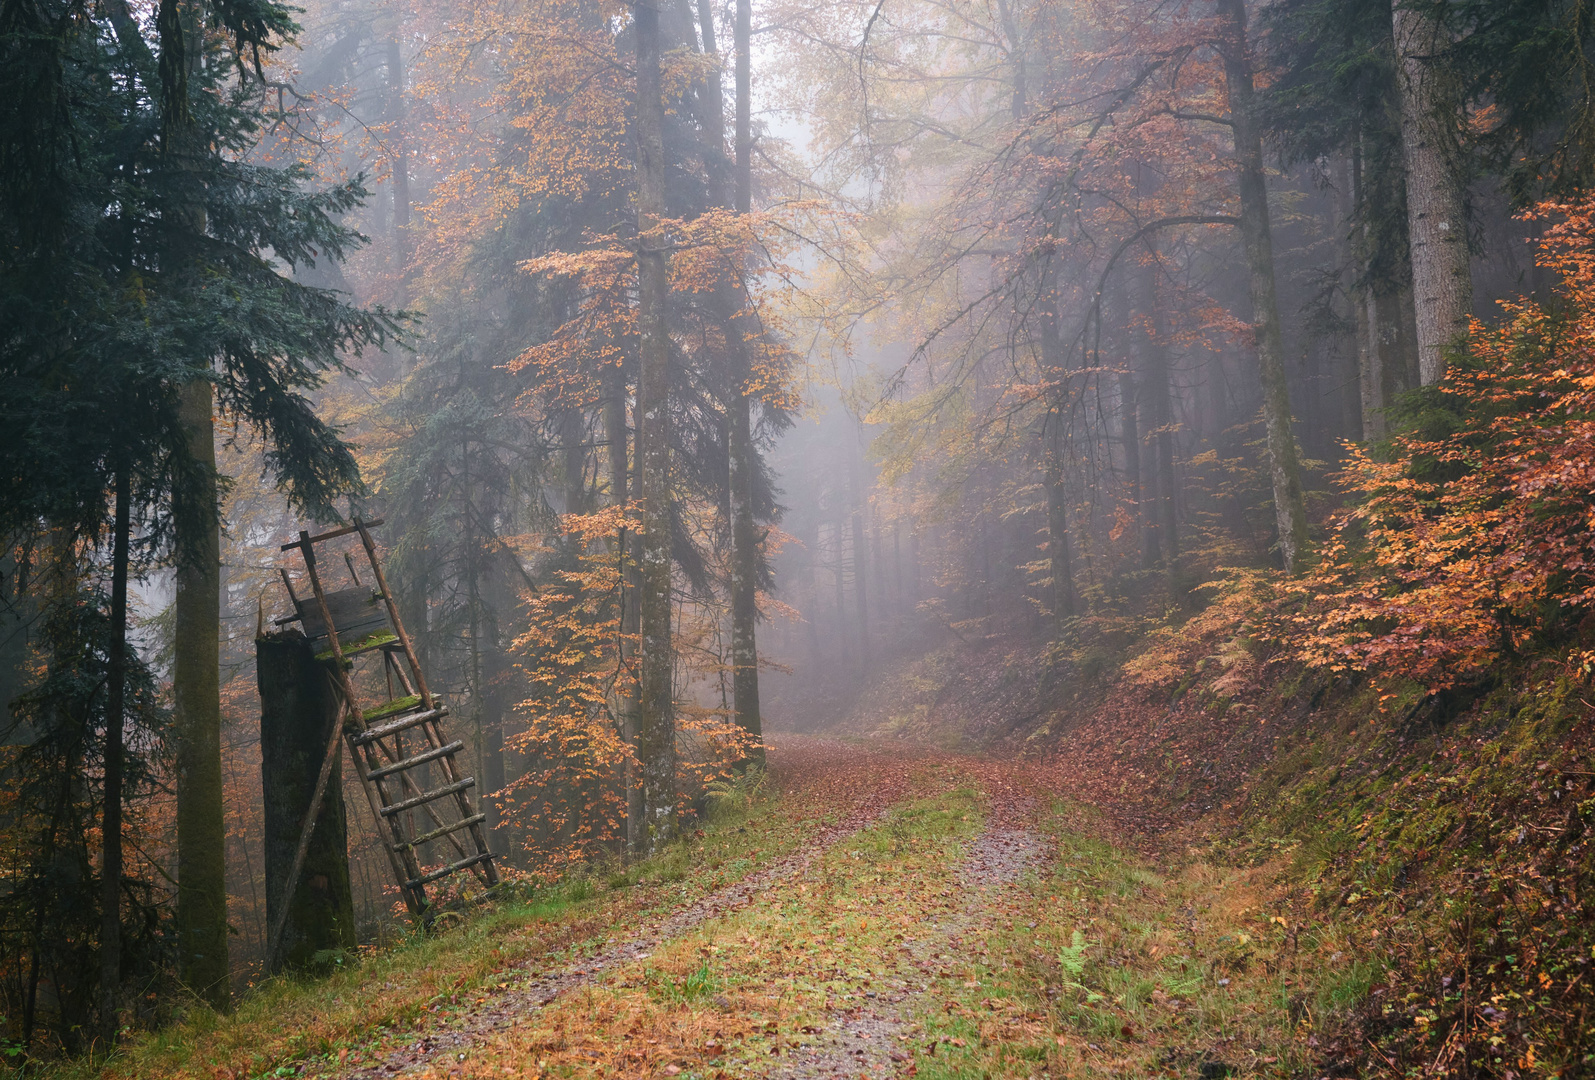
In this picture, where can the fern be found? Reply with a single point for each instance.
(737, 792)
(1072, 960)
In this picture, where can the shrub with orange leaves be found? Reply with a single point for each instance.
(1472, 537)
(577, 660)
(574, 656)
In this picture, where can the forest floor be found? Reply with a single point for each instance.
(882, 911)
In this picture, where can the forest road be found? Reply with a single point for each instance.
(841, 1007)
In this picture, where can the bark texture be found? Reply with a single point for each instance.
(656, 736)
(861, 585)
(111, 812)
(1059, 550)
(298, 707)
(618, 438)
(1160, 538)
(1290, 507)
(731, 299)
(1442, 279)
(401, 172)
(196, 692)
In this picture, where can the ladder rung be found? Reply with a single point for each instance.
(398, 724)
(415, 883)
(419, 759)
(426, 797)
(424, 838)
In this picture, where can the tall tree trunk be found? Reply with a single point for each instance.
(1130, 446)
(656, 737)
(400, 164)
(1370, 366)
(745, 542)
(493, 777)
(745, 533)
(861, 585)
(196, 693)
(1059, 553)
(572, 433)
(111, 810)
(914, 586)
(1016, 58)
(899, 601)
(844, 660)
(1059, 556)
(1158, 522)
(1442, 280)
(1290, 506)
(1365, 309)
(615, 434)
(1160, 396)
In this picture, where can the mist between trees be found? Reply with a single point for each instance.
(705, 360)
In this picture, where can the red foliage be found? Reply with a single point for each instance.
(1477, 534)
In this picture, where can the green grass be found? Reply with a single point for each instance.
(1109, 968)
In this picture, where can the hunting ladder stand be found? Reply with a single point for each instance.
(342, 625)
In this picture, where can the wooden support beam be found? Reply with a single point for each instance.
(305, 539)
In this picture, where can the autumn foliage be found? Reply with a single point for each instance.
(577, 663)
(1472, 536)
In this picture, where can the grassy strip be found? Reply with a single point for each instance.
(286, 1026)
(1105, 968)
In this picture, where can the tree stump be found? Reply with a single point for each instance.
(298, 707)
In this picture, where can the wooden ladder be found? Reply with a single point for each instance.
(397, 744)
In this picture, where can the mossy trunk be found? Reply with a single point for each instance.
(1290, 504)
(196, 694)
(298, 707)
(656, 731)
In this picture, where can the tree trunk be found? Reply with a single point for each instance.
(745, 542)
(1059, 556)
(1365, 309)
(745, 538)
(1159, 522)
(1290, 507)
(1370, 367)
(1130, 445)
(899, 601)
(401, 175)
(615, 434)
(1059, 553)
(494, 665)
(572, 433)
(111, 810)
(843, 659)
(196, 693)
(656, 737)
(1442, 280)
(914, 585)
(861, 587)
(298, 707)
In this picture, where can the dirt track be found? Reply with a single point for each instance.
(877, 781)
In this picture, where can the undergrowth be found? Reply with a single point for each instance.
(298, 1025)
(1110, 967)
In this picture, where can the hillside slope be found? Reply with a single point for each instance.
(1448, 832)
